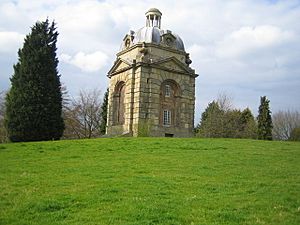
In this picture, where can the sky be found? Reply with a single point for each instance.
(243, 48)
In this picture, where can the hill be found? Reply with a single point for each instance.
(150, 181)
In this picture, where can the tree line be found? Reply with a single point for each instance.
(221, 120)
(84, 116)
(38, 108)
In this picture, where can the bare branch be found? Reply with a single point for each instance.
(225, 101)
(84, 114)
(283, 124)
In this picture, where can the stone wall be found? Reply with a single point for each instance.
(143, 75)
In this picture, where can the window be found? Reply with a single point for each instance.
(167, 90)
(127, 43)
(170, 104)
(167, 118)
(119, 104)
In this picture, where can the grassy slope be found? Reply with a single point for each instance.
(150, 181)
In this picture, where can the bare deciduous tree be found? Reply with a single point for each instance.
(83, 115)
(225, 101)
(284, 122)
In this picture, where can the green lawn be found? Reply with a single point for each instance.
(150, 181)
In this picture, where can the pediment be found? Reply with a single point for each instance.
(173, 64)
(168, 39)
(119, 65)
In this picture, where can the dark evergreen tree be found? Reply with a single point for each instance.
(34, 102)
(232, 124)
(104, 112)
(225, 122)
(248, 128)
(212, 121)
(264, 120)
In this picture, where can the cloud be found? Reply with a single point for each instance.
(86, 62)
(247, 48)
(250, 39)
(10, 41)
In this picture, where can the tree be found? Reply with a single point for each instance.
(248, 125)
(295, 134)
(34, 102)
(220, 119)
(3, 134)
(232, 124)
(104, 112)
(237, 124)
(284, 122)
(264, 120)
(83, 115)
(66, 99)
(211, 124)
(225, 101)
(2, 105)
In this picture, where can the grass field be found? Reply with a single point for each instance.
(150, 181)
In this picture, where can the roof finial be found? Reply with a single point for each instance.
(153, 16)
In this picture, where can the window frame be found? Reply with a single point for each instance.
(167, 116)
(168, 90)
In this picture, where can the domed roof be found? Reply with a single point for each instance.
(153, 10)
(152, 33)
(148, 35)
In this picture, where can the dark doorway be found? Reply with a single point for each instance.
(169, 135)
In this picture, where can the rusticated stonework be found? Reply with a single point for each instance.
(152, 87)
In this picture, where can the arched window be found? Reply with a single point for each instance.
(167, 90)
(119, 105)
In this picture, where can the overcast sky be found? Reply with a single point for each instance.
(245, 48)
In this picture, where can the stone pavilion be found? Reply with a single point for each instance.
(152, 86)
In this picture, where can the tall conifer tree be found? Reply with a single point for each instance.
(104, 112)
(34, 102)
(264, 120)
